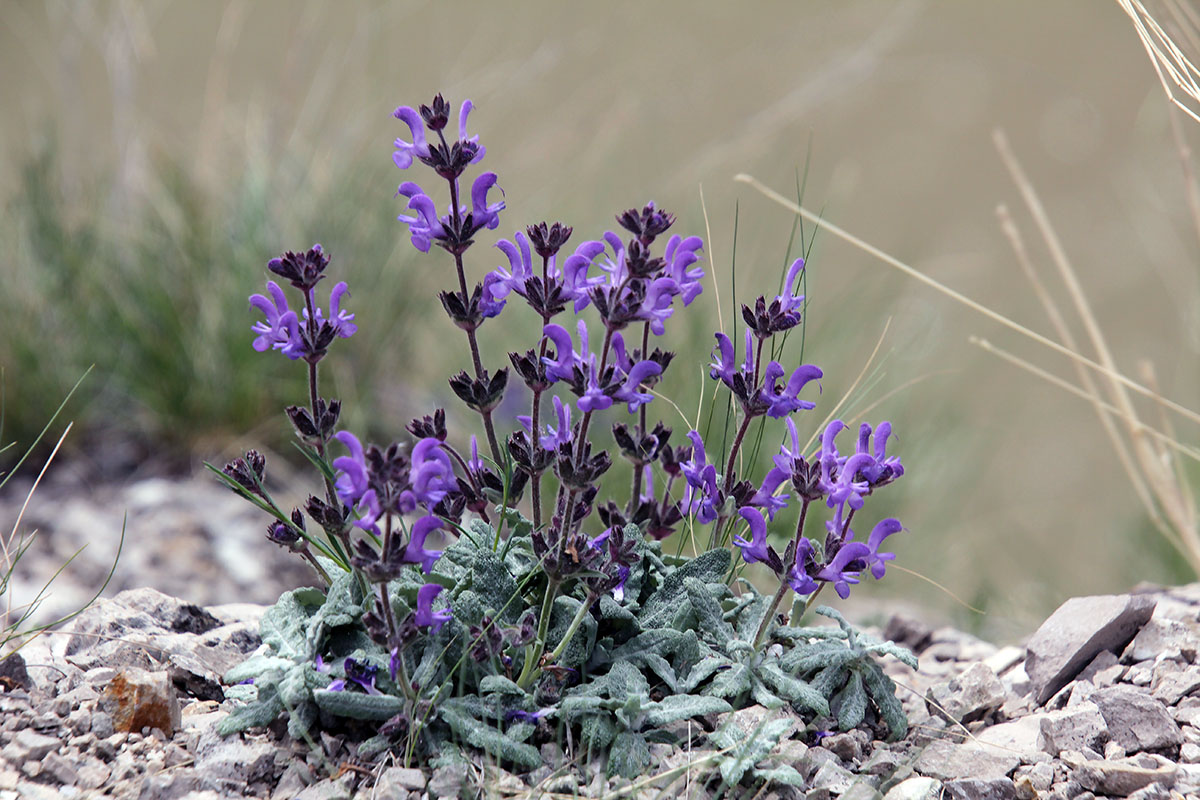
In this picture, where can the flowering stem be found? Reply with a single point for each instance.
(536, 480)
(640, 431)
(765, 625)
(533, 653)
(728, 484)
(474, 343)
(575, 623)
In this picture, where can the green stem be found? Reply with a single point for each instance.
(533, 653)
(575, 623)
(765, 625)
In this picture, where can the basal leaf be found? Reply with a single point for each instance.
(498, 684)
(684, 706)
(749, 747)
(580, 646)
(896, 651)
(488, 739)
(628, 755)
(284, 626)
(597, 731)
(702, 670)
(782, 774)
(662, 606)
(356, 705)
(764, 696)
(731, 682)
(851, 703)
(792, 689)
(710, 622)
(883, 692)
(258, 714)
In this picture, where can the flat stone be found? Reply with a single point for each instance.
(834, 777)
(1161, 635)
(1135, 720)
(975, 789)
(1122, 778)
(1076, 632)
(969, 696)
(1172, 687)
(448, 781)
(949, 761)
(396, 778)
(137, 699)
(1021, 737)
(915, 788)
(329, 789)
(238, 762)
(1076, 728)
(28, 745)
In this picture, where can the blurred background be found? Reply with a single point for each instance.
(157, 154)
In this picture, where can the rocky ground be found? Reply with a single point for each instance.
(1103, 700)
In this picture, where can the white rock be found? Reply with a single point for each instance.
(915, 788)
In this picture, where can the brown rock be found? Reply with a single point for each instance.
(137, 699)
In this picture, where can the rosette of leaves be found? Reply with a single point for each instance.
(840, 664)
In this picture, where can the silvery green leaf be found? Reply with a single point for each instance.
(662, 606)
(703, 669)
(764, 696)
(628, 755)
(816, 659)
(792, 689)
(255, 666)
(259, 714)
(896, 651)
(662, 668)
(612, 610)
(297, 685)
(851, 703)
(684, 706)
(495, 586)
(358, 706)
(624, 680)
(488, 739)
(301, 719)
(749, 620)
(242, 693)
(803, 635)
(748, 747)
(285, 625)
(731, 682)
(830, 679)
(580, 647)
(883, 692)
(498, 684)
(519, 526)
(576, 705)
(597, 731)
(781, 774)
(708, 612)
(373, 747)
(662, 641)
(340, 606)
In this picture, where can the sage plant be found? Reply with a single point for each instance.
(505, 544)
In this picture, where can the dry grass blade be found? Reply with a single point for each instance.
(959, 297)
(1174, 69)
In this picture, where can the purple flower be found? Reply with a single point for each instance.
(431, 473)
(755, 549)
(554, 436)
(783, 401)
(425, 226)
(798, 577)
(394, 662)
(883, 469)
(340, 319)
(520, 260)
(681, 254)
(656, 307)
(576, 282)
(281, 331)
(485, 215)
(352, 482)
(640, 373)
(416, 553)
(359, 673)
(702, 496)
(418, 148)
(766, 497)
(791, 302)
(562, 366)
(836, 571)
(425, 616)
(726, 369)
(531, 717)
(875, 559)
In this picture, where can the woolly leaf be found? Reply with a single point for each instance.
(597, 731)
(748, 747)
(662, 668)
(258, 714)
(487, 738)
(731, 682)
(851, 703)
(628, 755)
(256, 666)
(710, 621)
(894, 650)
(662, 606)
(764, 696)
(749, 620)
(580, 646)
(883, 692)
(577, 705)
(683, 706)
(783, 774)
(811, 661)
(624, 680)
(612, 610)
(793, 690)
(492, 581)
(498, 684)
(829, 680)
(301, 720)
(373, 747)
(340, 607)
(358, 706)
(702, 670)
(284, 626)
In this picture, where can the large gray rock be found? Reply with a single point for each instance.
(968, 697)
(975, 789)
(1162, 635)
(1074, 634)
(1120, 778)
(972, 759)
(1135, 720)
(915, 788)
